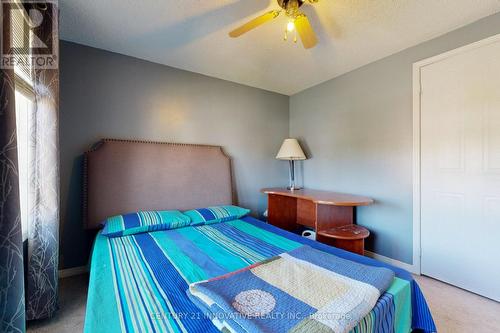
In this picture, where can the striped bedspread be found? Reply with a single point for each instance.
(301, 291)
(139, 283)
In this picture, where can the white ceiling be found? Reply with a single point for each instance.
(192, 34)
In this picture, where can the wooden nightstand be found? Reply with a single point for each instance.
(318, 210)
(348, 237)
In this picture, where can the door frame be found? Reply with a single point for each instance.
(417, 94)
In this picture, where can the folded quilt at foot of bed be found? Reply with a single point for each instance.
(304, 290)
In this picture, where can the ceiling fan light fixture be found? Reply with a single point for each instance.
(298, 22)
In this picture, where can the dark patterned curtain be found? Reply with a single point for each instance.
(43, 222)
(12, 314)
(29, 279)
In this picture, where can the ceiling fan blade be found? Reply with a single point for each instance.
(254, 23)
(305, 31)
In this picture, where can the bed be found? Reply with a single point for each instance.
(139, 283)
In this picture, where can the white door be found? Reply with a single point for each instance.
(460, 170)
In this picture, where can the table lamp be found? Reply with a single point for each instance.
(290, 151)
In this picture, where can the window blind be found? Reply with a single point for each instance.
(20, 41)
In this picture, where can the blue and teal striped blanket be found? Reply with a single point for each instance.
(139, 283)
(304, 290)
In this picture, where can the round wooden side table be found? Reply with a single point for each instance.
(349, 237)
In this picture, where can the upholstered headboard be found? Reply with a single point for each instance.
(123, 176)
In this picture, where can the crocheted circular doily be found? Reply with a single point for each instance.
(254, 303)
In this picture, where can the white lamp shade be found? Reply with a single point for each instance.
(290, 150)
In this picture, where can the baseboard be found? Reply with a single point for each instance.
(393, 262)
(64, 273)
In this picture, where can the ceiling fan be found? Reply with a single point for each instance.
(298, 22)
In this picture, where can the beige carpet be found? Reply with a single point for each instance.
(454, 310)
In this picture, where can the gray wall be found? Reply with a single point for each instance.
(105, 94)
(358, 129)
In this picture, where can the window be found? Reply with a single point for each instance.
(24, 108)
(25, 98)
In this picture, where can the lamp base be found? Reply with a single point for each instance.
(293, 188)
